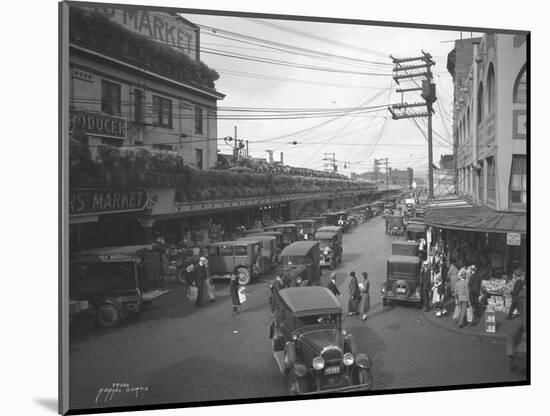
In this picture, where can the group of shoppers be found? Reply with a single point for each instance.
(359, 296)
(447, 282)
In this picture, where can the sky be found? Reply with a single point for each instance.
(338, 104)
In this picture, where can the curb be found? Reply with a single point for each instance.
(454, 329)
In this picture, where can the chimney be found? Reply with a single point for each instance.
(282, 159)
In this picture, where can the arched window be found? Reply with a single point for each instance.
(490, 89)
(520, 87)
(480, 103)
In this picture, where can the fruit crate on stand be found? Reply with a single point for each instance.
(490, 320)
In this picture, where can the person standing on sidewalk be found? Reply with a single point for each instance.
(365, 296)
(234, 292)
(461, 294)
(452, 276)
(517, 298)
(201, 274)
(354, 295)
(425, 285)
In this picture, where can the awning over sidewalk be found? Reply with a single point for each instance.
(461, 215)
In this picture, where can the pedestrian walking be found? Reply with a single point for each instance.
(354, 295)
(518, 295)
(461, 294)
(234, 292)
(425, 285)
(332, 285)
(200, 275)
(365, 296)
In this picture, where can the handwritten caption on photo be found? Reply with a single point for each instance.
(106, 394)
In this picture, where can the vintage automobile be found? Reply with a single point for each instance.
(277, 234)
(300, 261)
(404, 248)
(330, 243)
(306, 228)
(415, 231)
(319, 221)
(402, 280)
(311, 348)
(395, 225)
(116, 282)
(243, 258)
(270, 251)
(289, 231)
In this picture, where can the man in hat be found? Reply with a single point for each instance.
(201, 274)
(354, 295)
(332, 285)
(517, 292)
(425, 284)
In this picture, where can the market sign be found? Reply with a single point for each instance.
(513, 239)
(102, 201)
(165, 28)
(98, 124)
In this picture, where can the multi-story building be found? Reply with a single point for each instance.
(445, 177)
(136, 80)
(490, 137)
(403, 178)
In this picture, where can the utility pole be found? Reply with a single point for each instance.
(427, 89)
(332, 161)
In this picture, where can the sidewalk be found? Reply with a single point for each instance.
(504, 328)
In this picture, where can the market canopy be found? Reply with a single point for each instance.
(468, 217)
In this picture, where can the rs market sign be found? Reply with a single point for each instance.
(102, 201)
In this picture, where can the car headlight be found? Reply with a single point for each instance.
(298, 280)
(318, 363)
(326, 250)
(348, 359)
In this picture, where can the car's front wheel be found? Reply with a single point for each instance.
(108, 315)
(364, 376)
(244, 276)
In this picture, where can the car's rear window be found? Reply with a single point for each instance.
(226, 251)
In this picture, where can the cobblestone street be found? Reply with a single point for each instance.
(180, 353)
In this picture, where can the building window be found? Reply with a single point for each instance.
(110, 98)
(480, 104)
(491, 179)
(139, 106)
(518, 181)
(198, 158)
(198, 120)
(490, 89)
(520, 88)
(162, 111)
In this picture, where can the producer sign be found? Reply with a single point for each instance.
(98, 124)
(102, 201)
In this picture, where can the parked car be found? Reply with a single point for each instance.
(300, 261)
(395, 225)
(270, 252)
(289, 231)
(404, 248)
(277, 234)
(330, 242)
(415, 231)
(306, 228)
(116, 282)
(402, 280)
(242, 258)
(311, 348)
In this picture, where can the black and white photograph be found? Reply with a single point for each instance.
(260, 208)
(266, 207)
